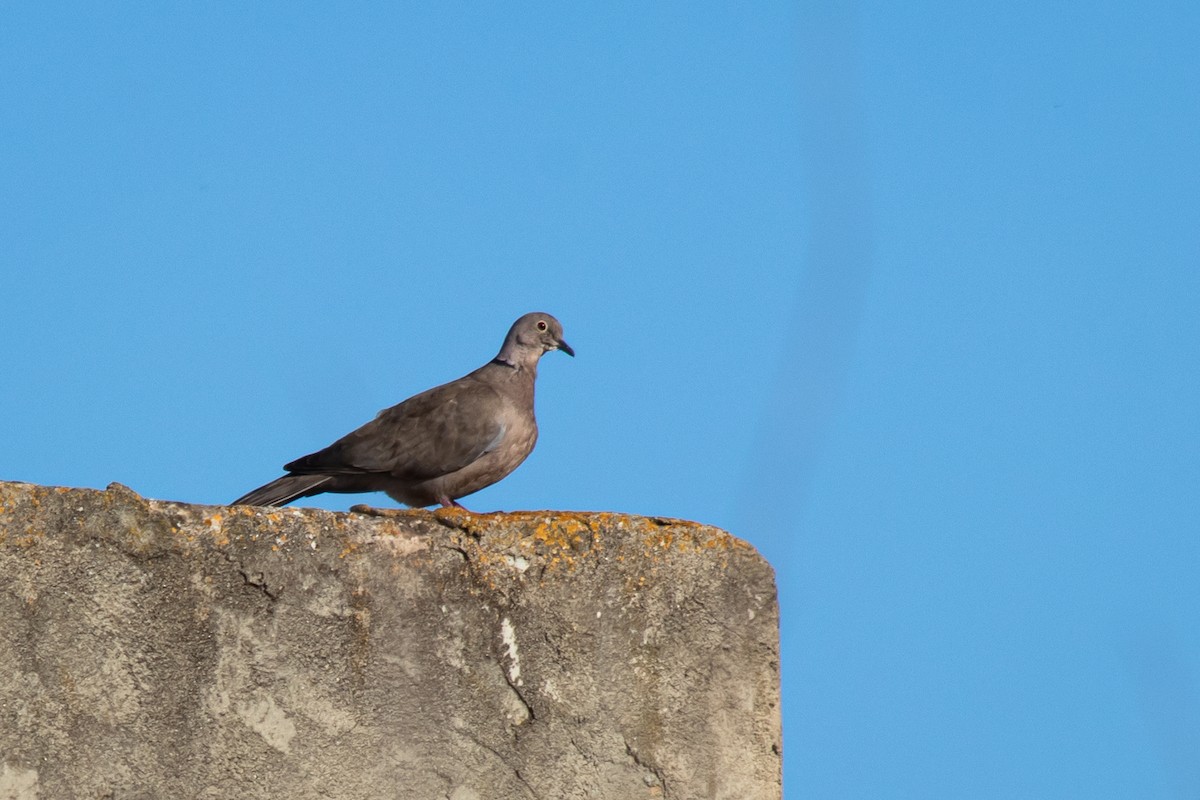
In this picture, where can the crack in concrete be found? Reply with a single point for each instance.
(258, 580)
(646, 765)
(516, 690)
(512, 670)
(496, 753)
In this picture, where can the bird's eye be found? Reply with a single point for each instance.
(541, 324)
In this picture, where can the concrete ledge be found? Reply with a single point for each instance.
(162, 650)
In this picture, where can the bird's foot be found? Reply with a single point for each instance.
(363, 508)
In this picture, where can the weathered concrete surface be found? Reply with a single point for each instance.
(161, 650)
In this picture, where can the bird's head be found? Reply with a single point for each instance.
(530, 337)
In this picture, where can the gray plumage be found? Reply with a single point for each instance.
(440, 445)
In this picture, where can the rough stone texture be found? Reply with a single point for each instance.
(161, 650)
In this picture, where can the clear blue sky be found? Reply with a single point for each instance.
(907, 295)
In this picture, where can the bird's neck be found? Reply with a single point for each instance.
(513, 371)
(518, 361)
(504, 361)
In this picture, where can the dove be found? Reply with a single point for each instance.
(440, 445)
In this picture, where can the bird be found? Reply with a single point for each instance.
(440, 445)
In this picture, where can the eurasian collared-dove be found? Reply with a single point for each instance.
(441, 444)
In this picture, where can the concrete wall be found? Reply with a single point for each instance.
(161, 650)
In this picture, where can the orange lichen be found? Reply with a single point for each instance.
(502, 549)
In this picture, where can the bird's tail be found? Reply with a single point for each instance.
(282, 491)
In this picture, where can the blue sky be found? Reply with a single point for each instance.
(904, 294)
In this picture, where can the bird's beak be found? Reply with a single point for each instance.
(566, 348)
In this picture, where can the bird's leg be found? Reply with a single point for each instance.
(447, 502)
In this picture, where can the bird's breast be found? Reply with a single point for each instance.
(518, 432)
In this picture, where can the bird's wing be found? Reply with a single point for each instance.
(431, 434)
